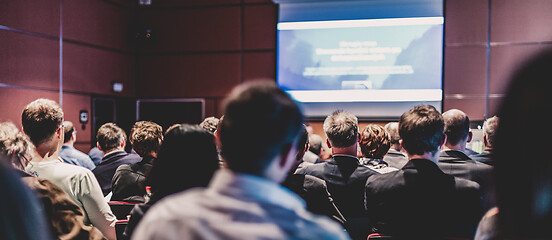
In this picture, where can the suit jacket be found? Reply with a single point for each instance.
(484, 157)
(458, 164)
(129, 181)
(395, 159)
(311, 157)
(421, 201)
(345, 179)
(106, 169)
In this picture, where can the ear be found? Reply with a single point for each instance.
(98, 145)
(485, 140)
(328, 143)
(444, 141)
(470, 136)
(123, 144)
(358, 138)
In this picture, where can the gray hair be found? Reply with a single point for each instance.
(489, 129)
(341, 128)
(393, 129)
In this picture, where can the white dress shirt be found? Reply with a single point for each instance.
(235, 206)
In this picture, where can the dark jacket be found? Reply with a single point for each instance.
(106, 169)
(345, 179)
(129, 181)
(484, 157)
(420, 201)
(395, 159)
(458, 164)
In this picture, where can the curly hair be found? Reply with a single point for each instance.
(374, 141)
(15, 145)
(146, 137)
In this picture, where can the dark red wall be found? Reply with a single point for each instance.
(203, 48)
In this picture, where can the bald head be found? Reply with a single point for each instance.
(457, 127)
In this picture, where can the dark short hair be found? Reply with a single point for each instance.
(188, 158)
(40, 119)
(259, 119)
(110, 136)
(315, 143)
(457, 126)
(422, 130)
(341, 128)
(303, 138)
(69, 129)
(374, 141)
(146, 137)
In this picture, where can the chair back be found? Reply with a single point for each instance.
(121, 209)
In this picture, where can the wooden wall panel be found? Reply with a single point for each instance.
(202, 75)
(92, 70)
(260, 27)
(31, 15)
(72, 105)
(466, 21)
(465, 70)
(192, 3)
(521, 21)
(473, 107)
(14, 101)
(192, 29)
(29, 61)
(259, 65)
(98, 22)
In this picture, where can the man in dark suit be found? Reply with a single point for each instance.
(453, 159)
(420, 201)
(394, 157)
(345, 177)
(489, 129)
(111, 141)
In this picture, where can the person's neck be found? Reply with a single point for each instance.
(351, 150)
(458, 147)
(46, 152)
(427, 155)
(396, 147)
(70, 144)
(114, 150)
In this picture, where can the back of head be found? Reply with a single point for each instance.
(110, 136)
(188, 158)
(457, 126)
(341, 128)
(392, 129)
(15, 146)
(41, 118)
(422, 130)
(69, 130)
(146, 137)
(374, 141)
(210, 124)
(523, 196)
(259, 119)
(489, 130)
(315, 142)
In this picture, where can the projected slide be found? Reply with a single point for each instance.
(376, 60)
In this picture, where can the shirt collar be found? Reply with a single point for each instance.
(253, 187)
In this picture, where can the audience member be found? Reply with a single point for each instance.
(111, 141)
(210, 124)
(69, 153)
(246, 201)
(65, 217)
(454, 161)
(96, 155)
(420, 201)
(345, 177)
(489, 129)
(314, 150)
(187, 159)
(42, 122)
(395, 156)
(129, 182)
(21, 215)
(374, 144)
(523, 179)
